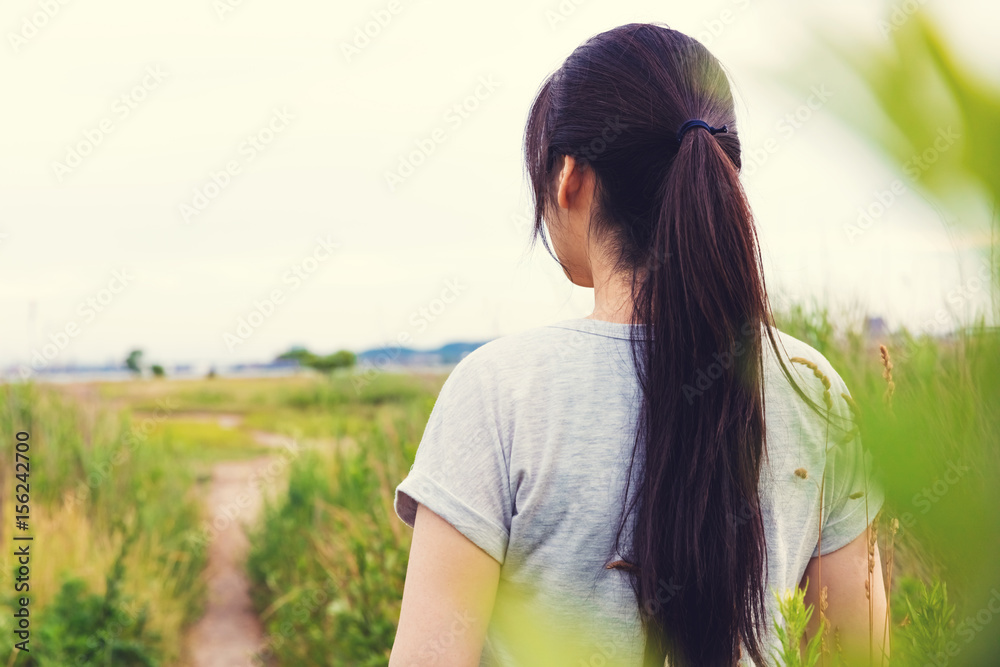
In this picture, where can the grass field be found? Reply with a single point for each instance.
(119, 473)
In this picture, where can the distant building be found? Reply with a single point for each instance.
(876, 328)
(404, 357)
(384, 358)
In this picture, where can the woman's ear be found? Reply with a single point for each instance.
(568, 184)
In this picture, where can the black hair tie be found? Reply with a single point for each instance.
(699, 123)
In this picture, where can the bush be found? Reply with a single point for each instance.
(329, 560)
(92, 473)
(85, 629)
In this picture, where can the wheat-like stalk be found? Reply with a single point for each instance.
(890, 388)
(890, 557)
(823, 622)
(622, 565)
(869, 582)
(828, 401)
(827, 398)
(855, 429)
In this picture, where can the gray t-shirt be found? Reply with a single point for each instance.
(526, 453)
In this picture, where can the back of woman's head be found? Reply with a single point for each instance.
(671, 209)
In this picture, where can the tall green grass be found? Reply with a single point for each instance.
(935, 443)
(330, 556)
(329, 559)
(102, 532)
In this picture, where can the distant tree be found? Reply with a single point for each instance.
(331, 362)
(323, 364)
(211, 373)
(299, 354)
(158, 370)
(134, 361)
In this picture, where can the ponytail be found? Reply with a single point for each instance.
(698, 522)
(673, 208)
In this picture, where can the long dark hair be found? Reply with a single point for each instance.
(677, 215)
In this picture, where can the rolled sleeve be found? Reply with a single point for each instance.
(460, 469)
(854, 496)
(481, 531)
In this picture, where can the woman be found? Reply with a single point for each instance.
(610, 473)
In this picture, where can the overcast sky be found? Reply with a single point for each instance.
(168, 169)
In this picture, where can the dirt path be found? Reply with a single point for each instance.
(229, 633)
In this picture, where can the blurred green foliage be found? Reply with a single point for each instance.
(322, 363)
(790, 630)
(90, 630)
(926, 110)
(329, 556)
(97, 480)
(329, 559)
(936, 439)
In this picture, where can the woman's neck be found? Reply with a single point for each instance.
(612, 295)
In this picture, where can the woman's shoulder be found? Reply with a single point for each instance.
(528, 346)
(810, 369)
